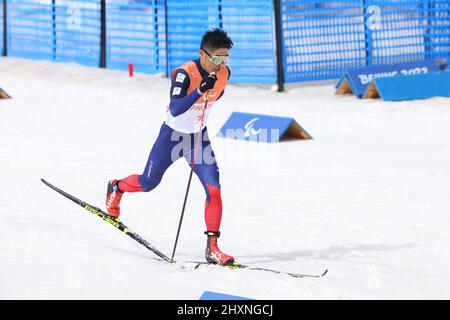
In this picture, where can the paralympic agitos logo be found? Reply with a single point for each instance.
(249, 130)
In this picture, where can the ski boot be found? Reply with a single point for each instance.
(113, 197)
(213, 254)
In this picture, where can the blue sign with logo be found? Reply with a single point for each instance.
(261, 128)
(358, 80)
(209, 295)
(424, 86)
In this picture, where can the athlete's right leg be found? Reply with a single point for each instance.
(160, 158)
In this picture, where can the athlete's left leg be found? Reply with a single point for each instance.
(207, 171)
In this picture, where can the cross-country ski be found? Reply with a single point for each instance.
(117, 223)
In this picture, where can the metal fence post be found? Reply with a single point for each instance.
(166, 27)
(54, 29)
(219, 13)
(155, 34)
(102, 33)
(279, 45)
(5, 26)
(428, 14)
(367, 35)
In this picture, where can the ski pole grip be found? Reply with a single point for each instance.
(212, 73)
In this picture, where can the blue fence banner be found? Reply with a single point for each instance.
(318, 39)
(2, 31)
(422, 86)
(323, 38)
(60, 30)
(210, 295)
(136, 34)
(249, 24)
(357, 81)
(262, 128)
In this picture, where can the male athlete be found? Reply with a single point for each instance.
(193, 83)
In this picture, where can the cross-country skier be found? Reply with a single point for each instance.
(186, 116)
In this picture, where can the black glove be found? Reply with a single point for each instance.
(207, 83)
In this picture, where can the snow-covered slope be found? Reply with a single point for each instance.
(368, 198)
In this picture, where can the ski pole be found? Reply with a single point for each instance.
(197, 143)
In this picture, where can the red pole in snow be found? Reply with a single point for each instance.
(131, 69)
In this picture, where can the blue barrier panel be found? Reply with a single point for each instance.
(1, 28)
(435, 84)
(357, 81)
(210, 295)
(261, 128)
(408, 30)
(187, 21)
(250, 24)
(58, 30)
(322, 39)
(76, 34)
(399, 34)
(136, 35)
(30, 29)
(437, 34)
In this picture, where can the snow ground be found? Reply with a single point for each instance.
(368, 198)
